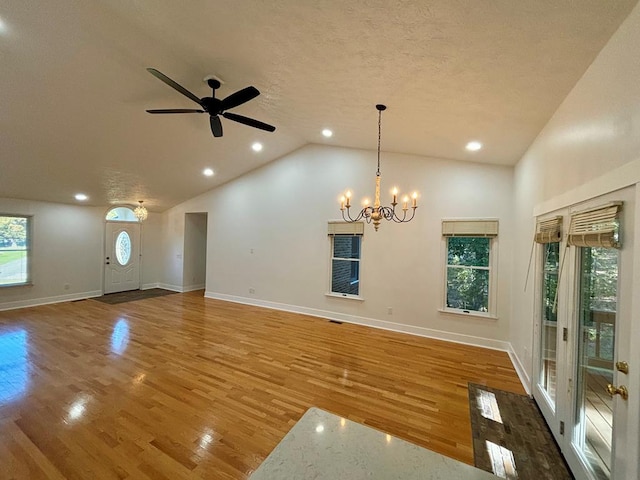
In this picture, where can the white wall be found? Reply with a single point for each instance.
(591, 146)
(68, 248)
(195, 251)
(280, 212)
(152, 250)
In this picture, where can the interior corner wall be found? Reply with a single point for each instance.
(268, 244)
(590, 146)
(68, 252)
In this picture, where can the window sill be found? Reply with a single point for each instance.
(465, 313)
(344, 295)
(14, 285)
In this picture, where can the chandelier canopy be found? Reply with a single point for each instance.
(378, 212)
(140, 212)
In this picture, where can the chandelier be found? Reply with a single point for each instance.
(378, 212)
(140, 212)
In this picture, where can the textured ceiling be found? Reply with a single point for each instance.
(73, 85)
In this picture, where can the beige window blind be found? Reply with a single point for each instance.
(596, 227)
(346, 228)
(549, 231)
(470, 228)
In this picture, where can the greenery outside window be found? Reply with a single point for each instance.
(15, 254)
(470, 273)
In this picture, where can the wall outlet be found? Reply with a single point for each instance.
(252, 290)
(389, 310)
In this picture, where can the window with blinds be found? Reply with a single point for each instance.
(549, 231)
(470, 228)
(469, 265)
(597, 227)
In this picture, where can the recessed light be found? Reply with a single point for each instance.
(473, 146)
(256, 147)
(327, 133)
(208, 172)
(81, 197)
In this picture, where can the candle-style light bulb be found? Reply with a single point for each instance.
(342, 202)
(348, 195)
(415, 199)
(365, 202)
(405, 202)
(395, 195)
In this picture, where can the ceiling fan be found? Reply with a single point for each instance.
(214, 106)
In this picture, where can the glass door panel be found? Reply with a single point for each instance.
(549, 330)
(598, 295)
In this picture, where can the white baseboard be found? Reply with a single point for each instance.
(370, 322)
(149, 286)
(49, 300)
(173, 288)
(520, 370)
(191, 288)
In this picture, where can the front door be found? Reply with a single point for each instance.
(122, 257)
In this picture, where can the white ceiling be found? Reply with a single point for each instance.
(74, 89)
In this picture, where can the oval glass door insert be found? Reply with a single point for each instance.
(123, 248)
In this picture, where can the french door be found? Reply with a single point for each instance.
(583, 366)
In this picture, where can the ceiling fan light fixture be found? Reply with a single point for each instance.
(215, 107)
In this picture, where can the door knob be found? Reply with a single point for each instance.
(622, 367)
(621, 390)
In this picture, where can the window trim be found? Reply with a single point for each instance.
(329, 292)
(29, 281)
(492, 312)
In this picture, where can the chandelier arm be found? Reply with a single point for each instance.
(413, 214)
(365, 214)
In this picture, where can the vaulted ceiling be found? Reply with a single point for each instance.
(74, 89)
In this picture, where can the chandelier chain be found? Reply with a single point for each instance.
(379, 137)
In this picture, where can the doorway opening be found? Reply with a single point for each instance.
(194, 268)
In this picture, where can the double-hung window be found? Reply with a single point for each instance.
(470, 266)
(346, 242)
(15, 254)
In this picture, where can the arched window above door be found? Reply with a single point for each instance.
(121, 214)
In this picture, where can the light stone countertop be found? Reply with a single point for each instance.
(324, 446)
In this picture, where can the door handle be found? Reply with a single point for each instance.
(621, 390)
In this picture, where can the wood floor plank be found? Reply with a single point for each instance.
(186, 387)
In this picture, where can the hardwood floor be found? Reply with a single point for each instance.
(183, 387)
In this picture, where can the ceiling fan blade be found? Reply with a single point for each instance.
(175, 110)
(238, 98)
(216, 125)
(161, 76)
(249, 121)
